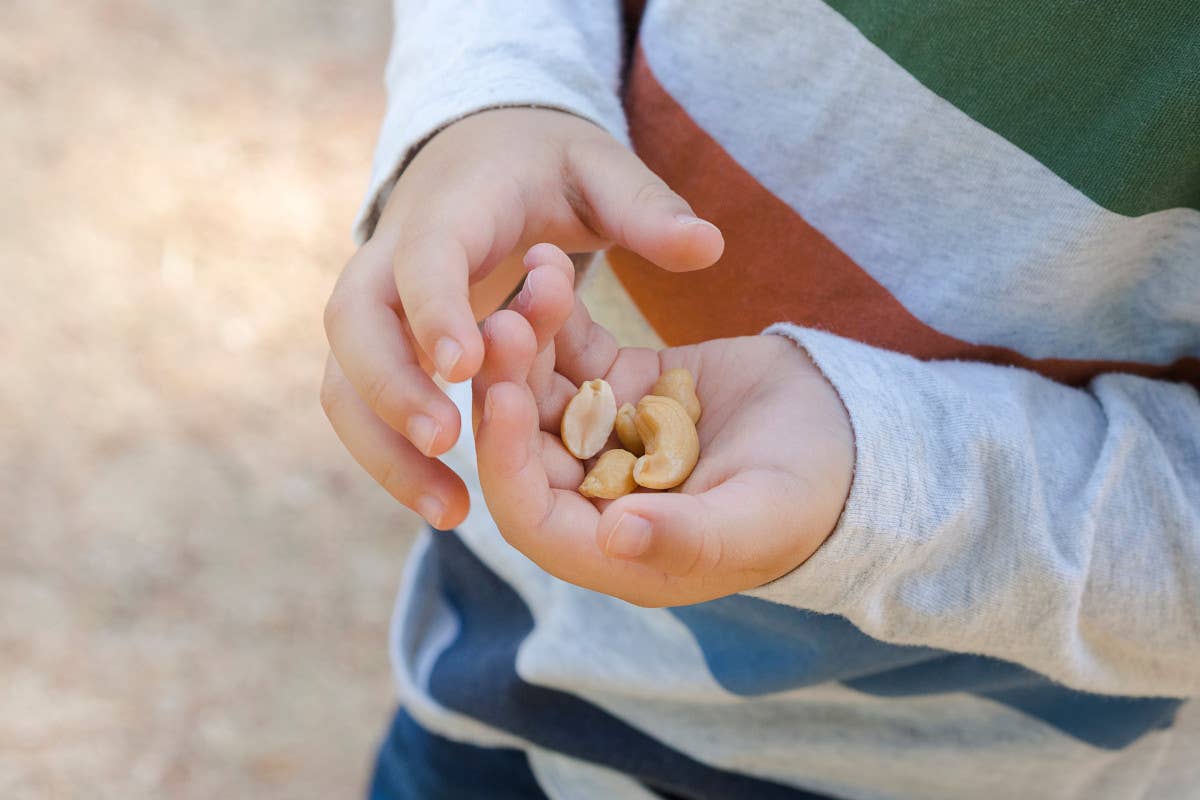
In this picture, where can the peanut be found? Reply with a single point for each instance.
(672, 444)
(612, 477)
(627, 430)
(588, 419)
(679, 385)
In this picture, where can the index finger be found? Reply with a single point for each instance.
(432, 279)
(376, 355)
(443, 246)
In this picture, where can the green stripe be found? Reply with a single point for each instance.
(1105, 93)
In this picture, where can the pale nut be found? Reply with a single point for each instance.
(672, 445)
(679, 385)
(588, 419)
(612, 477)
(627, 430)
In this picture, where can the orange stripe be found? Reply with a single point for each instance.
(777, 267)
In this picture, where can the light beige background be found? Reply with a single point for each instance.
(195, 579)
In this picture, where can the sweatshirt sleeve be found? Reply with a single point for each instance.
(994, 511)
(452, 58)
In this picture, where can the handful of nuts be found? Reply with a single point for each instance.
(659, 435)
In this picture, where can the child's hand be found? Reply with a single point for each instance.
(478, 190)
(776, 458)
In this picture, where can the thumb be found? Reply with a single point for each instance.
(509, 350)
(627, 203)
(744, 530)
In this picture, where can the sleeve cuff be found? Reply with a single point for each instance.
(882, 508)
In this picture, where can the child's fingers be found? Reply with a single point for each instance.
(423, 484)
(440, 244)
(547, 296)
(509, 359)
(547, 301)
(509, 354)
(563, 470)
(525, 507)
(553, 527)
(723, 534)
(584, 349)
(541, 374)
(549, 254)
(432, 274)
(632, 206)
(551, 390)
(372, 348)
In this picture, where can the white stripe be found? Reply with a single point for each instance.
(951, 218)
(415, 643)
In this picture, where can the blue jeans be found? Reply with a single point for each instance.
(414, 764)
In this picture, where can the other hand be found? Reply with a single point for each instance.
(401, 310)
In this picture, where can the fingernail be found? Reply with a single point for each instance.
(422, 430)
(691, 219)
(630, 538)
(431, 509)
(446, 354)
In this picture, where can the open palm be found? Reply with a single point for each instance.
(776, 454)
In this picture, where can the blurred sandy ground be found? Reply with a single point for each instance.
(195, 579)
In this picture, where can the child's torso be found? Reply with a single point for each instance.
(1010, 182)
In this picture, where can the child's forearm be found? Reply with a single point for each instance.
(997, 512)
(450, 59)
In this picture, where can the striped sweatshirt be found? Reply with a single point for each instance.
(982, 221)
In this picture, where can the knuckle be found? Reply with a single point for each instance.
(378, 394)
(581, 162)
(341, 304)
(336, 310)
(576, 348)
(424, 309)
(414, 236)
(546, 407)
(653, 190)
(331, 396)
(391, 477)
(707, 558)
(545, 514)
(716, 550)
(576, 153)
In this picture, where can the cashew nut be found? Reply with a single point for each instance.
(679, 385)
(672, 445)
(612, 477)
(627, 430)
(588, 419)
